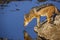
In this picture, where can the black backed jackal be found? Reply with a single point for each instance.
(47, 10)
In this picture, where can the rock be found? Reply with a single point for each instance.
(26, 36)
(57, 20)
(50, 31)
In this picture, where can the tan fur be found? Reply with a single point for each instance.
(47, 11)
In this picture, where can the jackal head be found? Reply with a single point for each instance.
(26, 19)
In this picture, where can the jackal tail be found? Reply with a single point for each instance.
(57, 11)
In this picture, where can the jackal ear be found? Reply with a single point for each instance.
(24, 17)
(34, 10)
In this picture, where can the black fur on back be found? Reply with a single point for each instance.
(42, 6)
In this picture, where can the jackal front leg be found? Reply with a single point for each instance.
(38, 21)
(48, 19)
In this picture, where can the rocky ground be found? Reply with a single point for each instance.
(26, 36)
(49, 31)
